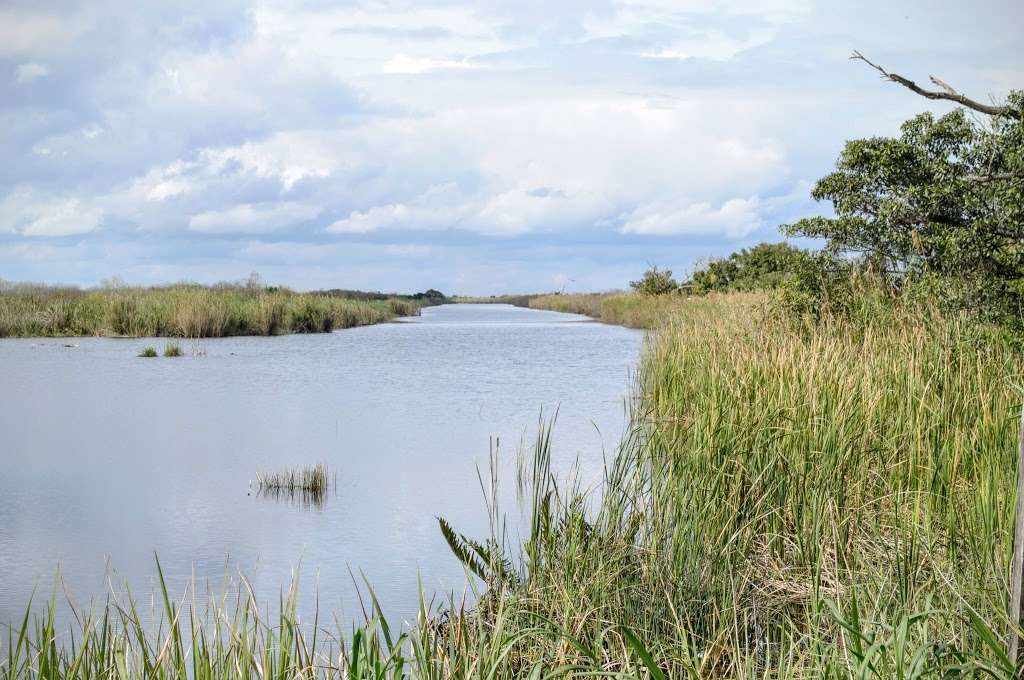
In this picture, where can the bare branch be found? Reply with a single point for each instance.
(948, 92)
(943, 84)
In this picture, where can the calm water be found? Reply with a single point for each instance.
(106, 458)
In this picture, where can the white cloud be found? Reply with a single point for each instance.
(26, 73)
(291, 118)
(403, 63)
(30, 32)
(252, 218)
(734, 218)
(361, 222)
(30, 213)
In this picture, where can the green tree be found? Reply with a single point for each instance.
(766, 265)
(655, 282)
(942, 203)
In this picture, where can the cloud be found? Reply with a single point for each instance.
(403, 63)
(527, 139)
(29, 213)
(26, 73)
(734, 218)
(248, 218)
(30, 32)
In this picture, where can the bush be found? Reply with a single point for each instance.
(765, 266)
(655, 282)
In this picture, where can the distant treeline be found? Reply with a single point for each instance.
(424, 298)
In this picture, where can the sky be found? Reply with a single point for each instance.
(477, 148)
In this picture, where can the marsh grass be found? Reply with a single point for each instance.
(794, 498)
(183, 310)
(148, 353)
(313, 478)
(172, 349)
(628, 309)
(308, 485)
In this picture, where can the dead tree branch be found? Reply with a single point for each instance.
(947, 93)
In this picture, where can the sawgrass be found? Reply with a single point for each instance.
(184, 310)
(623, 309)
(794, 498)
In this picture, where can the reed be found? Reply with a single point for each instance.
(184, 310)
(311, 478)
(148, 353)
(625, 309)
(172, 349)
(794, 498)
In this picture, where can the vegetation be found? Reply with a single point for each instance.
(817, 481)
(309, 484)
(183, 310)
(796, 499)
(655, 282)
(309, 478)
(517, 300)
(939, 207)
(624, 309)
(172, 349)
(765, 266)
(421, 299)
(148, 353)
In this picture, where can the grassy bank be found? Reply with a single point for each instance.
(827, 499)
(623, 309)
(191, 311)
(793, 500)
(796, 500)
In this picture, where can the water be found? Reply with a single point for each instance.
(107, 459)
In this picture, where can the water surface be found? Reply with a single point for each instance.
(108, 458)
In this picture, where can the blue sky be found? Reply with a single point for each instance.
(483, 147)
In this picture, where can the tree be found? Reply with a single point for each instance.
(766, 265)
(943, 202)
(655, 282)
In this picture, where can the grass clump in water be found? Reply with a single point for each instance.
(148, 353)
(309, 485)
(172, 349)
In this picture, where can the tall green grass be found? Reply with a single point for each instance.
(184, 310)
(626, 309)
(827, 499)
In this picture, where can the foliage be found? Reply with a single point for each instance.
(767, 265)
(945, 200)
(793, 500)
(148, 353)
(655, 282)
(431, 295)
(185, 310)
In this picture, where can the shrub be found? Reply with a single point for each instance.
(655, 282)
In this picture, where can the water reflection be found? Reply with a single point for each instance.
(107, 459)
